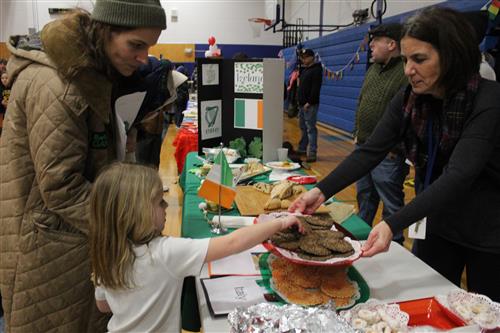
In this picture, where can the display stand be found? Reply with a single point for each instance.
(240, 98)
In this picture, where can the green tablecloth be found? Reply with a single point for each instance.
(194, 225)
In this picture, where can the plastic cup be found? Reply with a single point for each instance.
(282, 154)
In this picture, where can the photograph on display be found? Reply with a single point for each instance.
(248, 113)
(249, 77)
(211, 115)
(210, 74)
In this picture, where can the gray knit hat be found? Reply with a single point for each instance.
(130, 13)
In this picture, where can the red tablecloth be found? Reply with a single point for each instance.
(185, 141)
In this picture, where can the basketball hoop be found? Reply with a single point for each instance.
(256, 25)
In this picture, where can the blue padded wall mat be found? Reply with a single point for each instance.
(338, 98)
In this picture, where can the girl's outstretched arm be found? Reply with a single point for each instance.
(245, 238)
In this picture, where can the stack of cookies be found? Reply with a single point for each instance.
(319, 243)
(312, 285)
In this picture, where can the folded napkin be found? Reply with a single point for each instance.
(234, 221)
(340, 211)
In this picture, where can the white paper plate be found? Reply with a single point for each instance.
(283, 165)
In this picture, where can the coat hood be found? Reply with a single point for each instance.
(60, 46)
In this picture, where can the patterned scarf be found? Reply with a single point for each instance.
(447, 123)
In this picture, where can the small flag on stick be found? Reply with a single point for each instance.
(218, 186)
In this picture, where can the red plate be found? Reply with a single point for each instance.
(428, 312)
(303, 180)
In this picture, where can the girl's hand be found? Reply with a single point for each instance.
(290, 220)
(308, 202)
(378, 241)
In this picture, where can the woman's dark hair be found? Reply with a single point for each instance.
(449, 32)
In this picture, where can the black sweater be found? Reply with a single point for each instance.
(462, 204)
(310, 84)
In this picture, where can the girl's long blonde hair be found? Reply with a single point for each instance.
(121, 216)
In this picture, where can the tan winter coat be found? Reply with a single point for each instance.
(57, 135)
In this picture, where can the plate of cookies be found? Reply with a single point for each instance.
(324, 242)
(314, 285)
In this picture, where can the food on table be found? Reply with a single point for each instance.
(285, 203)
(303, 285)
(263, 187)
(475, 308)
(317, 245)
(299, 189)
(282, 190)
(375, 317)
(205, 169)
(273, 204)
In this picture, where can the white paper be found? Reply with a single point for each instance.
(210, 74)
(243, 263)
(128, 106)
(234, 221)
(227, 293)
(211, 119)
(277, 175)
(417, 230)
(121, 140)
(249, 77)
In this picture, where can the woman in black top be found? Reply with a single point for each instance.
(448, 119)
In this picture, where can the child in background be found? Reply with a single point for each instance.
(138, 273)
(4, 97)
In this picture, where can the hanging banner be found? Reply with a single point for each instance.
(211, 115)
(249, 77)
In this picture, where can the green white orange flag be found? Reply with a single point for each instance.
(219, 183)
(248, 113)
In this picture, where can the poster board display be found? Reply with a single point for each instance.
(233, 93)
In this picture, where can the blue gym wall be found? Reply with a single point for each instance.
(228, 50)
(338, 98)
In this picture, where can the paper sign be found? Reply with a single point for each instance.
(126, 107)
(417, 230)
(249, 77)
(210, 74)
(211, 115)
(243, 263)
(227, 293)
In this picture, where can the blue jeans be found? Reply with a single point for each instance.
(384, 182)
(307, 123)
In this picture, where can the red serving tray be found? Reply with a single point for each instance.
(428, 312)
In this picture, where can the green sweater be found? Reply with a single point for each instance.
(380, 86)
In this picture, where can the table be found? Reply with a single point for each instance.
(194, 225)
(185, 141)
(392, 277)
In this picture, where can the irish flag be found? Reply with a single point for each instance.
(219, 183)
(248, 113)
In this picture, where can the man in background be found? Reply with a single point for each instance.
(383, 80)
(309, 86)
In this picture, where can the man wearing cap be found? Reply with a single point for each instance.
(383, 80)
(62, 129)
(309, 86)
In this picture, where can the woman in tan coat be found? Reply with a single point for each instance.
(60, 130)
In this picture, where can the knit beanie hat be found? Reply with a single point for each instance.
(130, 13)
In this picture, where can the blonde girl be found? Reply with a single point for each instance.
(138, 273)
